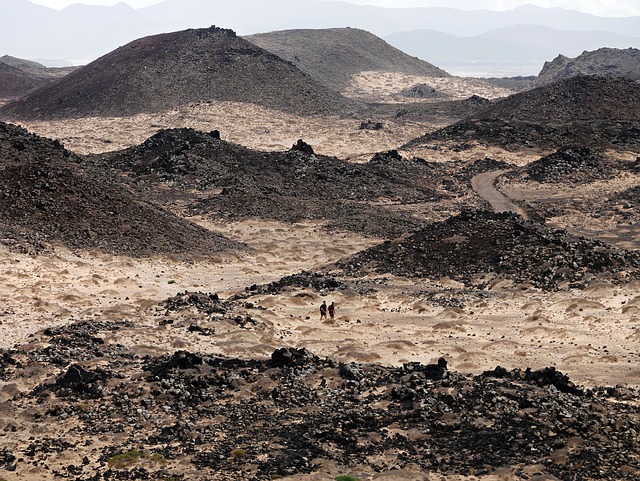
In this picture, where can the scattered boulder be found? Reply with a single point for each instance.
(423, 91)
(371, 125)
(287, 356)
(302, 146)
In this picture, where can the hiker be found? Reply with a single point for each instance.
(332, 310)
(323, 310)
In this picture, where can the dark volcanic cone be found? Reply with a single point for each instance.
(164, 71)
(333, 55)
(597, 112)
(472, 244)
(46, 197)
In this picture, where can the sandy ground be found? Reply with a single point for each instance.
(266, 129)
(613, 229)
(591, 335)
(386, 87)
(246, 124)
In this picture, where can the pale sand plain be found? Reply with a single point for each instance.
(592, 335)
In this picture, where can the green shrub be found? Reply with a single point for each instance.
(346, 478)
(238, 454)
(124, 460)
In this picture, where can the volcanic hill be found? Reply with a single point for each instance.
(19, 77)
(15, 83)
(597, 112)
(48, 198)
(333, 55)
(164, 71)
(604, 62)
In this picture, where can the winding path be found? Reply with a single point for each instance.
(484, 185)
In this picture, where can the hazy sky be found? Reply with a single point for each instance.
(607, 8)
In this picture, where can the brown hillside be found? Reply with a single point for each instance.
(164, 71)
(333, 55)
(48, 198)
(604, 62)
(15, 82)
(19, 77)
(597, 112)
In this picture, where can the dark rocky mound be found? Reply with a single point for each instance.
(584, 98)
(172, 416)
(288, 186)
(319, 281)
(164, 71)
(47, 197)
(333, 55)
(571, 164)
(423, 91)
(597, 112)
(446, 111)
(472, 244)
(604, 62)
(513, 83)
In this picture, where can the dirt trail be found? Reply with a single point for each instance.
(484, 185)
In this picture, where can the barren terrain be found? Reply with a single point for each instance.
(166, 364)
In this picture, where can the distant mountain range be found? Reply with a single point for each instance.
(504, 52)
(469, 42)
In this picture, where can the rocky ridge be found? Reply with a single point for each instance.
(596, 112)
(604, 62)
(287, 186)
(163, 416)
(477, 247)
(19, 77)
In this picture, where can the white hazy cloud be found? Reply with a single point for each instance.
(603, 8)
(59, 4)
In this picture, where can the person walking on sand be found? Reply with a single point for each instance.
(332, 310)
(323, 310)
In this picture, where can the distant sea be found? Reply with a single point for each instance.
(484, 70)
